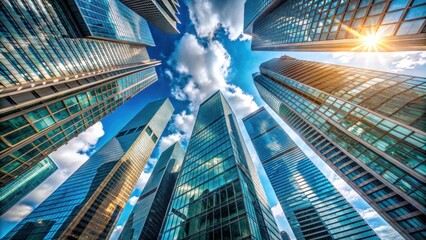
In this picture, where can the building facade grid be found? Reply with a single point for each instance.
(374, 175)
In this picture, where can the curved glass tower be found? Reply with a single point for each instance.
(315, 25)
(218, 193)
(88, 204)
(313, 206)
(367, 125)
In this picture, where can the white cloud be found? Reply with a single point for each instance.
(343, 57)
(143, 179)
(277, 210)
(68, 158)
(387, 233)
(205, 68)
(168, 73)
(168, 140)
(345, 189)
(411, 63)
(210, 15)
(133, 200)
(116, 232)
(17, 213)
(408, 61)
(368, 214)
(184, 122)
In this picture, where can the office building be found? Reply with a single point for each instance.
(218, 193)
(314, 25)
(313, 206)
(88, 204)
(150, 210)
(64, 68)
(25, 183)
(160, 13)
(284, 235)
(367, 125)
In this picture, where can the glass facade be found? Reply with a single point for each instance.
(252, 10)
(88, 204)
(161, 13)
(111, 19)
(313, 207)
(340, 25)
(284, 235)
(150, 210)
(218, 193)
(25, 183)
(55, 83)
(379, 155)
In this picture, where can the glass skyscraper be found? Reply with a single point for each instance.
(150, 210)
(367, 125)
(62, 69)
(335, 25)
(218, 193)
(160, 13)
(88, 204)
(25, 183)
(313, 207)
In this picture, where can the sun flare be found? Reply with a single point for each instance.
(371, 41)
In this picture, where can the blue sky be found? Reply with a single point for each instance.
(210, 54)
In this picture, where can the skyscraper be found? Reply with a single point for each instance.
(306, 25)
(150, 210)
(218, 193)
(25, 183)
(313, 206)
(64, 68)
(367, 125)
(160, 13)
(90, 201)
(284, 235)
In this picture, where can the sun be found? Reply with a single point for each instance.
(371, 41)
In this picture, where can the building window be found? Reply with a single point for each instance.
(149, 131)
(154, 138)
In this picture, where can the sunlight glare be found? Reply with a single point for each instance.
(371, 41)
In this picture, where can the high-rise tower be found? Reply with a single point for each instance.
(19, 187)
(160, 13)
(218, 193)
(314, 25)
(150, 210)
(62, 69)
(88, 204)
(367, 125)
(313, 206)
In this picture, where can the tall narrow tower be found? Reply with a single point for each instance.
(218, 193)
(313, 206)
(21, 186)
(90, 201)
(150, 210)
(368, 126)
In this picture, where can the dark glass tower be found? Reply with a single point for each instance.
(367, 125)
(63, 69)
(313, 207)
(88, 204)
(149, 212)
(160, 13)
(218, 193)
(315, 25)
(25, 183)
